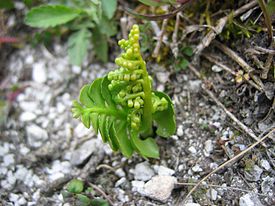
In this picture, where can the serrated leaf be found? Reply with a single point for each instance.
(75, 186)
(50, 15)
(109, 7)
(100, 45)
(165, 120)
(84, 97)
(78, 45)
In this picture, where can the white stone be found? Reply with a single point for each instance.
(21, 173)
(82, 131)
(216, 68)
(212, 194)
(27, 116)
(28, 106)
(265, 164)
(192, 150)
(191, 204)
(93, 146)
(13, 197)
(60, 107)
(29, 59)
(24, 150)
(208, 146)
(194, 85)
(39, 74)
(76, 69)
(119, 172)
(197, 168)
(3, 171)
(160, 187)
(138, 186)
(162, 77)
(22, 201)
(249, 199)
(180, 131)
(120, 181)
(11, 178)
(36, 135)
(143, 171)
(165, 171)
(4, 149)
(8, 159)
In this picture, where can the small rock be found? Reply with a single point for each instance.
(216, 68)
(191, 204)
(212, 194)
(180, 131)
(250, 199)
(8, 159)
(36, 135)
(27, 116)
(28, 106)
(120, 181)
(208, 146)
(143, 171)
(4, 149)
(82, 131)
(119, 172)
(29, 59)
(22, 201)
(21, 173)
(76, 69)
(13, 197)
(164, 171)
(254, 174)
(162, 77)
(121, 195)
(160, 187)
(197, 168)
(265, 164)
(60, 107)
(39, 72)
(267, 184)
(194, 85)
(93, 146)
(138, 186)
(192, 150)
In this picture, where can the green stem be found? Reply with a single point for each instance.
(148, 107)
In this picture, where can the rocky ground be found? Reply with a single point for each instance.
(42, 147)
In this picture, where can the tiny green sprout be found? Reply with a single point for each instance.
(123, 107)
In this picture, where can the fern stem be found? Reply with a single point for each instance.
(148, 107)
(117, 113)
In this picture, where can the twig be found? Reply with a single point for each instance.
(123, 26)
(160, 37)
(101, 192)
(247, 68)
(267, 18)
(228, 162)
(240, 124)
(219, 27)
(174, 44)
(218, 186)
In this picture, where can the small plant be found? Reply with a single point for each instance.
(86, 21)
(123, 107)
(77, 194)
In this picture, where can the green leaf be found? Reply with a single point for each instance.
(271, 7)
(99, 202)
(6, 4)
(109, 8)
(78, 45)
(147, 147)
(151, 2)
(107, 26)
(50, 15)
(75, 186)
(165, 120)
(188, 51)
(84, 96)
(182, 65)
(100, 45)
(83, 200)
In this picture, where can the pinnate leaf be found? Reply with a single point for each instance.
(50, 15)
(109, 8)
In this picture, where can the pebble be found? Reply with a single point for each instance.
(208, 147)
(194, 85)
(36, 135)
(28, 106)
(216, 68)
(93, 146)
(250, 199)
(27, 116)
(160, 187)
(254, 174)
(76, 69)
(192, 150)
(212, 194)
(82, 131)
(119, 172)
(265, 164)
(138, 186)
(180, 132)
(162, 77)
(8, 160)
(191, 204)
(4, 149)
(164, 171)
(120, 182)
(39, 72)
(267, 184)
(197, 168)
(143, 171)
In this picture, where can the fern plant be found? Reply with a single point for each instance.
(123, 107)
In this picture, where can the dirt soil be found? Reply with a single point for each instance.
(42, 147)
